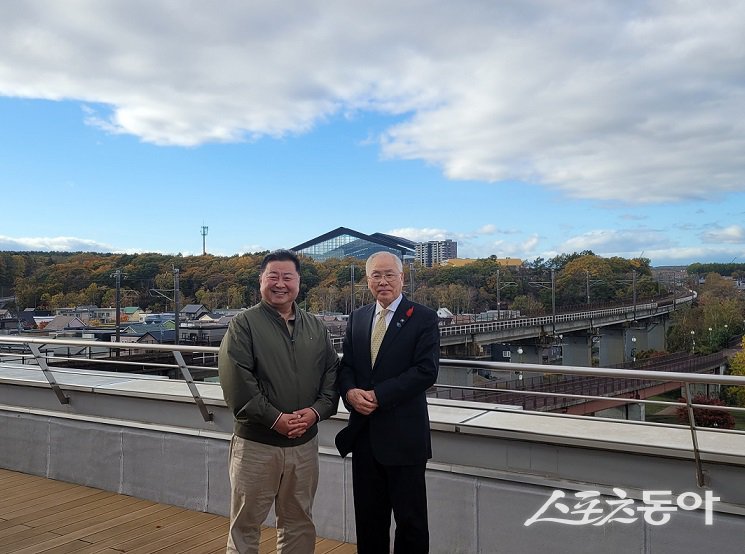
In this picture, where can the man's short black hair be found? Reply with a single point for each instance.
(280, 256)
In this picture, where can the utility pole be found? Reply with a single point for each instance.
(411, 276)
(117, 275)
(351, 288)
(204, 239)
(176, 302)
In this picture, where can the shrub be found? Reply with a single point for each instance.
(707, 418)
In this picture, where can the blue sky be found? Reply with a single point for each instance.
(519, 129)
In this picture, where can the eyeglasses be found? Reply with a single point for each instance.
(378, 277)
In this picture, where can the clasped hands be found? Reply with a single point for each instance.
(295, 425)
(363, 401)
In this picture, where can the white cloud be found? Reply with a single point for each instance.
(524, 249)
(617, 242)
(682, 255)
(56, 244)
(734, 234)
(433, 233)
(634, 102)
(421, 235)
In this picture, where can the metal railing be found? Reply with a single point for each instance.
(686, 381)
(512, 391)
(42, 353)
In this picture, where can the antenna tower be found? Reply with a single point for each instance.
(204, 239)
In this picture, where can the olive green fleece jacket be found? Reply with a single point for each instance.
(264, 371)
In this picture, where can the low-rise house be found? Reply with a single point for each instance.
(84, 313)
(193, 312)
(63, 323)
(209, 317)
(131, 313)
(104, 315)
(156, 318)
(166, 336)
(445, 316)
(141, 328)
(204, 334)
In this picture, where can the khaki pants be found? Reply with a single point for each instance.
(260, 475)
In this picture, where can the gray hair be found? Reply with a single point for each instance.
(399, 264)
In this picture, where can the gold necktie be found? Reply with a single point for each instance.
(377, 335)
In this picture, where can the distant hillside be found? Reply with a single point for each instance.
(50, 280)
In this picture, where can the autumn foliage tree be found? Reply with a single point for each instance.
(61, 279)
(703, 417)
(737, 367)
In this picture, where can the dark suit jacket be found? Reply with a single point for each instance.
(406, 366)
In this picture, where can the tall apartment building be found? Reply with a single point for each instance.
(435, 252)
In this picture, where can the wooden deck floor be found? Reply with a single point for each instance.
(39, 515)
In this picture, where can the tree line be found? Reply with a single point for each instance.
(49, 280)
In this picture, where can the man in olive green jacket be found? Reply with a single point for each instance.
(278, 374)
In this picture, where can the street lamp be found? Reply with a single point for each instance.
(520, 353)
(693, 342)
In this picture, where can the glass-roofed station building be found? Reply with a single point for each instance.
(344, 243)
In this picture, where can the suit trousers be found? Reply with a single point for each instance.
(261, 474)
(380, 489)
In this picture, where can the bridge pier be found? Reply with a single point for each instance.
(456, 376)
(631, 412)
(577, 350)
(645, 335)
(611, 346)
(707, 389)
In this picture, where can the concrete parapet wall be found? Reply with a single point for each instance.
(491, 472)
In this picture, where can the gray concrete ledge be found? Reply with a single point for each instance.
(492, 468)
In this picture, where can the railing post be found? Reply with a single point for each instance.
(206, 415)
(42, 361)
(700, 476)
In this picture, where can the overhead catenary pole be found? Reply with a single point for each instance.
(499, 301)
(501, 286)
(553, 301)
(633, 281)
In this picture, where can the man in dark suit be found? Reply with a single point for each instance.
(391, 358)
